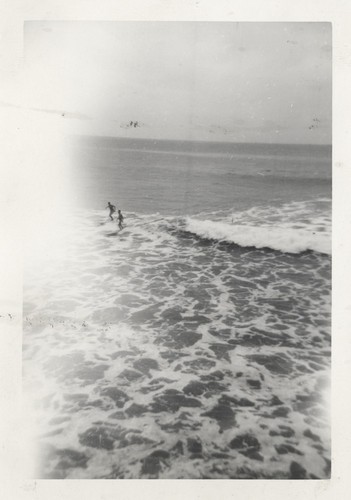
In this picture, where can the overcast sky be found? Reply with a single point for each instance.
(243, 82)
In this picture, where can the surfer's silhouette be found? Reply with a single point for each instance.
(112, 209)
(120, 219)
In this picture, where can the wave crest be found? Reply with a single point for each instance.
(283, 239)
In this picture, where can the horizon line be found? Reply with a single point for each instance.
(201, 140)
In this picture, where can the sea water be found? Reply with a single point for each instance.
(194, 343)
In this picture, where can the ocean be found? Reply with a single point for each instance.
(195, 342)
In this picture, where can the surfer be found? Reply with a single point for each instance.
(112, 209)
(120, 219)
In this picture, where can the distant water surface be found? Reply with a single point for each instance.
(180, 177)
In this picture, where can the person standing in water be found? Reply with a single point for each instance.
(120, 219)
(112, 209)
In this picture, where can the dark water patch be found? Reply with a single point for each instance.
(130, 375)
(130, 300)
(137, 282)
(96, 403)
(180, 426)
(236, 283)
(147, 389)
(252, 454)
(118, 415)
(124, 270)
(283, 430)
(221, 455)
(275, 401)
(228, 400)
(163, 380)
(180, 339)
(202, 307)
(316, 339)
(249, 473)
(144, 365)
(208, 387)
(153, 463)
(197, 293)
(254, 384)
(221, 350)
(200, 364)
(147, 314)
(171, 400)
(90, 373)
(129, 439)
(151, 466)
(280, 304)
(197, 320)
(309, 434)
(214, 388)
(275, 363)
(245, 441)
(243, 315)
(71, 458)
(223, 333)
(136, 410)
(160, 454)
(104, 435)
(57, 463)
(327, 469)
(297, 471)
(194, 445)
(215, 375)
(304, 403)
(303, 368)
(224, 416)
(97, 437)
(293, 277)
(319, 448)
(281, 411)
(279, 326)
(172, 315)
(178, 448)
(248, 445)
(118, 396)
(194, 388)
(160, 291)
(284, 449)
(316, 367)
(325, 273)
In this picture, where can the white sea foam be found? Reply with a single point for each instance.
(284, 239)
(124, 330)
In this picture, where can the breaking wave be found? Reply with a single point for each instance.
(281, 238)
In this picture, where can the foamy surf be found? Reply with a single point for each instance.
(150, 353)
(283, 239)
